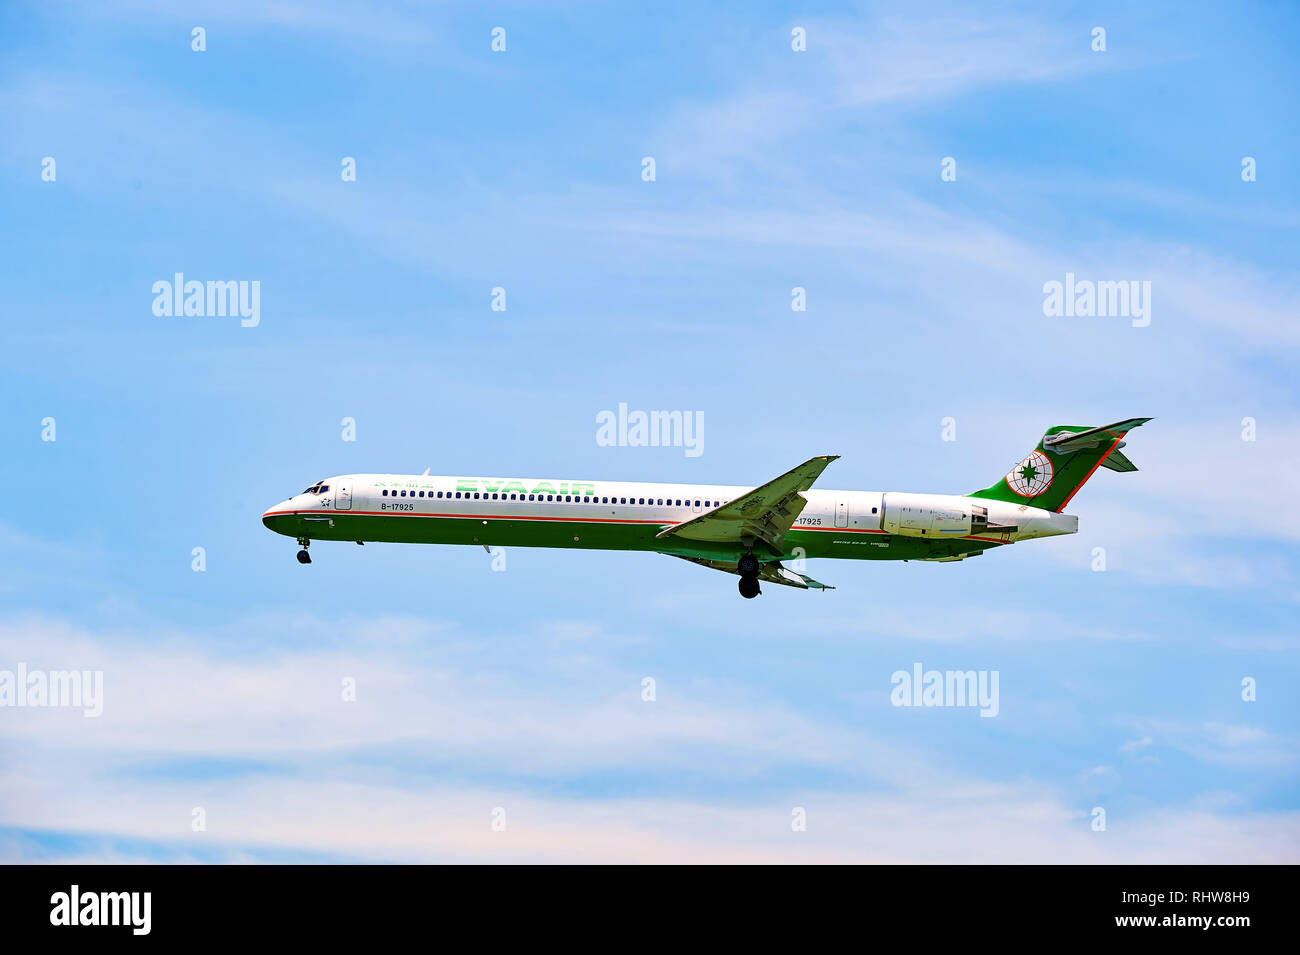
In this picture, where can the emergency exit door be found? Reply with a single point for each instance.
(343, 496)
(841, 513)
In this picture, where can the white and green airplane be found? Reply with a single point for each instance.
(747, 531)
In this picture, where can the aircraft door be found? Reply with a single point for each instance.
(343, 496)
(841, 513)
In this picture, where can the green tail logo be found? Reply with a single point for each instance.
(1052, 473)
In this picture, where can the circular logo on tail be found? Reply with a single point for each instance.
(1031, 476)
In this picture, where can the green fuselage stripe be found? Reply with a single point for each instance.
(598, 534)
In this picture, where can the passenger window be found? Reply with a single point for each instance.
(476, 495)
(385, 492)
(873, 510)
(697, 503)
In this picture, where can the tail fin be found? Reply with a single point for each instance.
(1064, 459)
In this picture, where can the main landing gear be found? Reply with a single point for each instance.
(748, 567)
(303, 556)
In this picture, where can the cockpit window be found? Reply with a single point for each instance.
(322, 489)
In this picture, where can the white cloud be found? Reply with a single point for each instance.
(1235, 746)
(297, 770)
(434, 823)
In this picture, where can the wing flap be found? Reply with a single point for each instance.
(772, 573)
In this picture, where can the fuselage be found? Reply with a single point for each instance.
(611, 515)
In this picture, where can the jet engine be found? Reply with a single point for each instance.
(928, 515)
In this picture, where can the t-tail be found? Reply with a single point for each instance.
(1052, 473)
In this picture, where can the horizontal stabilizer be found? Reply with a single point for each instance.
(1117, 461)
(1066, 441)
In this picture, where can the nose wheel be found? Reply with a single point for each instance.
(749, 587)
(303, 556)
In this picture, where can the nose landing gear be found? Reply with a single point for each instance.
(303, 556)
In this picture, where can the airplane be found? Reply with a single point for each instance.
(746, 531)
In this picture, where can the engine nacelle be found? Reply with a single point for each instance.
(932, 515)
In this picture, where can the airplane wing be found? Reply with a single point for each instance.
(763, 514)
(772, 572)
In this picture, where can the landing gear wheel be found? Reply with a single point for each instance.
(304, 557)
(748, 566)
(749, 587)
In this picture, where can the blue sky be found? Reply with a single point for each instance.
(522, 169)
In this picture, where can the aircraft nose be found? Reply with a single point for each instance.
(272, 514)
